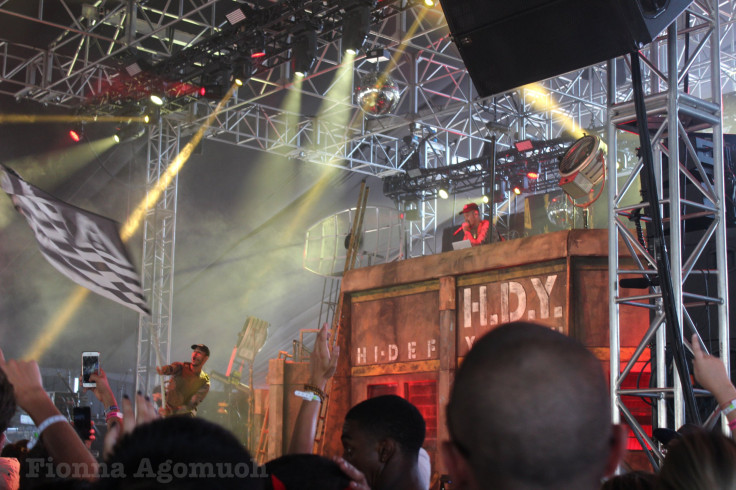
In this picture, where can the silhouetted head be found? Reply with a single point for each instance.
(381, 431)
(699, 460)
(183, 453)
(529, 408)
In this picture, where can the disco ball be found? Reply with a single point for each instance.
(558, 211)
(377, 94)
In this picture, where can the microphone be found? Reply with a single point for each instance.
(458, 230)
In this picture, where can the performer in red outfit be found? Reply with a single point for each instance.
(188, 384)
(475, 229)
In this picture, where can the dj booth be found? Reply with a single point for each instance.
(405, 326)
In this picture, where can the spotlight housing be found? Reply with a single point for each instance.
(158, 99)
(304, 50)
(258, 45)
(356, 23)
(582, 166)
(129, 133)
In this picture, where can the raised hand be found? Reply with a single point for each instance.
(322, 363)
(711, 374)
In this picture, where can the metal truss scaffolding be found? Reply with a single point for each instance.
(159, 231)
(680, 101)
(90, 50)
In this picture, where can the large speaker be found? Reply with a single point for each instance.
(505, 44)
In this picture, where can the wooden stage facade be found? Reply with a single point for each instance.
(405, 326)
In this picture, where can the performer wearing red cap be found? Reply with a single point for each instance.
(188, 384)
(474, 228)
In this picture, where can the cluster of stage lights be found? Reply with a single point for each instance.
(444, 191)
(131, 130)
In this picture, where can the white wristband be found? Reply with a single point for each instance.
(308, 396)
(49, 421)
(729, 408)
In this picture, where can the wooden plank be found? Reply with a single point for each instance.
(394, 329)
(396, 368)
(447, 293)
(393, 292)
(276, 408)
(540, 248)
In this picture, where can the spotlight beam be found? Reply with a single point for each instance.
(51, 118)
(56, 325)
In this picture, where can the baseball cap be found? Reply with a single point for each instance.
(202, 347)
(469, 207)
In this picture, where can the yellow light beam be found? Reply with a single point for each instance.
(543, 101)
(152, 196)
(60, 118)
(49, 169)
(340, 89)
(56, 325)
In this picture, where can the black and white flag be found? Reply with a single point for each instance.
(83, 246)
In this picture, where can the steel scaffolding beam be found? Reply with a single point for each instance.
(159, 232)
(672, 116)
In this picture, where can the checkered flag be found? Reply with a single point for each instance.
(83, 246)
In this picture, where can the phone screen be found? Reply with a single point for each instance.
(83, 422)
(90, 365)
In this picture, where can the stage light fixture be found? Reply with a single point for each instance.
(356, 23)
(215, 91)
(158, 99)
(129, 132)
(304, 50)
(235, 16)
(582, 166)
(241, 73)
(517, 190)
(258, 45)
(443, 192)
(133, 69)
(524, 145)
(376, 55)
(532, 175)
(76, 134)
(485, 199)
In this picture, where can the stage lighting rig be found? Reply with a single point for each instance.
(583, 166)
(356, 24)
(304, 50)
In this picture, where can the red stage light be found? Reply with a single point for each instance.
(524, 145)
(202, 91)
(74, 135)
(532, 175)
(258, 54)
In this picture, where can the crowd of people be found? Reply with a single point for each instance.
(529, 408)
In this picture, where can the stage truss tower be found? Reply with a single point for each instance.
(159, 232)
(680, 100)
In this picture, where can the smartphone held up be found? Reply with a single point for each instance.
(90, 365)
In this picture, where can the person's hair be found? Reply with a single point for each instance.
(390, 416)
(699, 460)
(633, 480)
(306, 472)
(180, 452)
(529, 408)
(7, 402)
